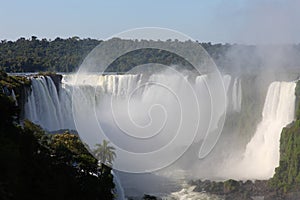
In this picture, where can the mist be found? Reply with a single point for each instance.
(175, 125)
(243, 149)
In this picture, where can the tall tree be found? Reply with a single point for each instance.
(105, 153)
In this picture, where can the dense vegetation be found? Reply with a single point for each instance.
(36, 165)
(30, 55)
(65, 55)
(145, 56)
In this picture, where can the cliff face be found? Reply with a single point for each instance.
(16, 88)
(19, 87)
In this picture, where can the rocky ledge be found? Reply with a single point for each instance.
(239, 190)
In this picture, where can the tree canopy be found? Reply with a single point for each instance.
(32, 55)
(66, 55)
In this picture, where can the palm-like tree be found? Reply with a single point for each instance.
(105, 153)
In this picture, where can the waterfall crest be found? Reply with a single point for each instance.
(52, 110)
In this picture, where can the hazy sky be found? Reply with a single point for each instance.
(233, 21)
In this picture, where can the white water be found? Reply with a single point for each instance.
(233, 90)
(52, 110)
(236, 99)
(47, 107)
(261, 155)
(187, 193)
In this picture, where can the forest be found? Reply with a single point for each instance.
(66, 55)
(31, 55)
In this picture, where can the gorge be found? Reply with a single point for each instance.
(50, 105)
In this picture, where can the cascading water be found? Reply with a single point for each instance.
(234, 93)
(51, 108)
(261, 155)
(14, 97)
(188, 193)
(47, 107)
(236, 99)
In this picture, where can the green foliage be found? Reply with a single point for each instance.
(297, 101)
(230, 186)
(32, 55)
(65, 55)
(46, 73)
(148, 55)
(36, 130)
(13, 82)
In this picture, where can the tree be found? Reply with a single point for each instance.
(33, 38)
(105, 153)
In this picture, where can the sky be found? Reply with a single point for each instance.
(217, 21)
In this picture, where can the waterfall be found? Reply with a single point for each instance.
(236, 99)
(233, 90)
(226, 80)
(118, 187)
(14, 97)
(261, 155)
(51, 108)
(48, 108)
